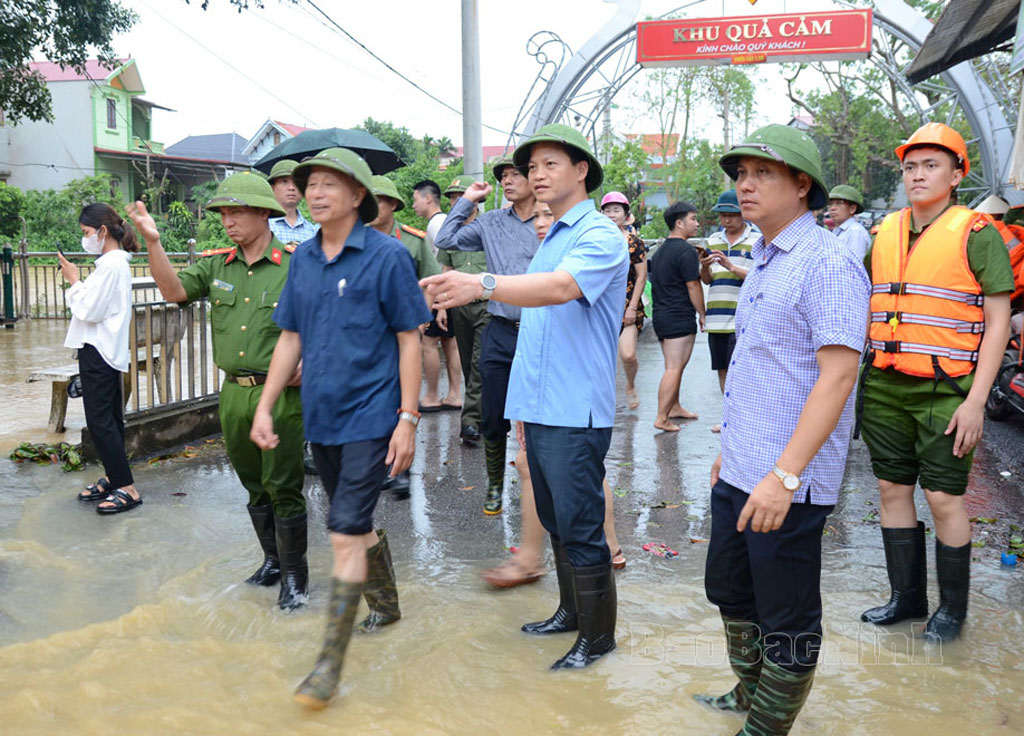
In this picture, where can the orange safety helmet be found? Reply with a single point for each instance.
(940, 135)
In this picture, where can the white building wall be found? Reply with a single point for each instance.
(43, 155)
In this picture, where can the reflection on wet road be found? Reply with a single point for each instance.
(140, 624)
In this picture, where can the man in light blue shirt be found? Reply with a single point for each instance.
(844, 204)
(293, 228)
(562, 384)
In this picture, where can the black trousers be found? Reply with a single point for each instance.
(103, 397)
(771, 579)
(497, 349)
(567, 470)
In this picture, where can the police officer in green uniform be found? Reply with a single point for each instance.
(243, 284)
(457, 188)
(389, 201)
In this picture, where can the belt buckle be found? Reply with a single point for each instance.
(246, 381)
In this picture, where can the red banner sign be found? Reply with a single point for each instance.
(844, 35)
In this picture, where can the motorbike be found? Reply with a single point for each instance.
(1007, 394)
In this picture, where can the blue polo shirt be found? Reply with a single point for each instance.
(563, 373)
(347, 311)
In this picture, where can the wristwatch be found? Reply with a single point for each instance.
(789, 481)
(413, 417)
(488, 281)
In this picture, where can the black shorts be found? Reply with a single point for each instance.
(434, 329)
(721, 345)
(352, 474)
(668, 326)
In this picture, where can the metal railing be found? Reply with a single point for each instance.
(39, 287)
(171, 351)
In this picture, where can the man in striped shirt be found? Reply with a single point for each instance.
(723, 266)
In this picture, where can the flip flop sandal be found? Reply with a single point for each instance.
(496, 576)
(122, 502)
(96, 491)
(660, 549)
(451, 407)
(618, 565)
(424, 409)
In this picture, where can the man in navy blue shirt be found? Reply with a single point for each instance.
(350, 311)
(562, 384)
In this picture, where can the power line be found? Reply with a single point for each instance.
(229, 65)
(390, 68)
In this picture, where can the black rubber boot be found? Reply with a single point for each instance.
(494, 453)
(380, 588)
(780, 696)
(745, 652)
(953, 565)
(320, 685)
(596, 609)
(291, 546)
(263, 522)
(564, 618)
(908, 577)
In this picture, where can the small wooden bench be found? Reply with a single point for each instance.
(60, 376)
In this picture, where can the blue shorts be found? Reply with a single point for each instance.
(352, 475)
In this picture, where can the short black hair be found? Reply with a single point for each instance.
(677, 211)
(430, 188)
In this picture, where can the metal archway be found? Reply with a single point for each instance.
(579, 91)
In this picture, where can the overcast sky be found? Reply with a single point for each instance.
(223, 71)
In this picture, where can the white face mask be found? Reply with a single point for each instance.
(91, 244)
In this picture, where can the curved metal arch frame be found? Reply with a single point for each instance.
(564, 95)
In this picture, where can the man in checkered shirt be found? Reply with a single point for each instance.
(787, 417)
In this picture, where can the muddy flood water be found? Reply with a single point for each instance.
(140, 623)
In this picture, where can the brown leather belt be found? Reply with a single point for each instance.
(254, 379)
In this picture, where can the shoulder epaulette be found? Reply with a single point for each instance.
(290, 247)
(874, 230)
(216, 252)
(980, 223)
(414, 231)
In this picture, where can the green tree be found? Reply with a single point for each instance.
(64, 32)
(51, 217)
(11, 202)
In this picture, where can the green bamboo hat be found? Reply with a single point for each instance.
(284, 167)
(558, 133)
(459, 184)
(498, 167)
(788, 146)
(384, 187)
(346, 162)
(845, 191)
(245, 190)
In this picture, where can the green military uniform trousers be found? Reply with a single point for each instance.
(272, 477)
(468, 322)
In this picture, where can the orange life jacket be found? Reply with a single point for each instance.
(1013, 236)
(926, 306)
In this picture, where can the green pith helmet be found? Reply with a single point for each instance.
(845, 191)
(384, 187)
(459, 184)
(346, 162)
(788, 146)
(284, 167)
(245, 190)
(498, 167)
(558, 133)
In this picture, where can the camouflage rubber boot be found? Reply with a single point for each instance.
(380, 589)
(743, 639)
(320, 685)
(780, 696)
(494, 451)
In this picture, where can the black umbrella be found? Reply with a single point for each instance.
(377, 155)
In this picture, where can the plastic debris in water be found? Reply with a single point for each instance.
(660, 549)
(1009, 559)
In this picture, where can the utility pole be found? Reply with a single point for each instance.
(472, 133)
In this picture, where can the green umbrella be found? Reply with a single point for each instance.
(380, 158)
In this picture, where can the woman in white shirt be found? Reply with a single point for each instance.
(101, 317)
